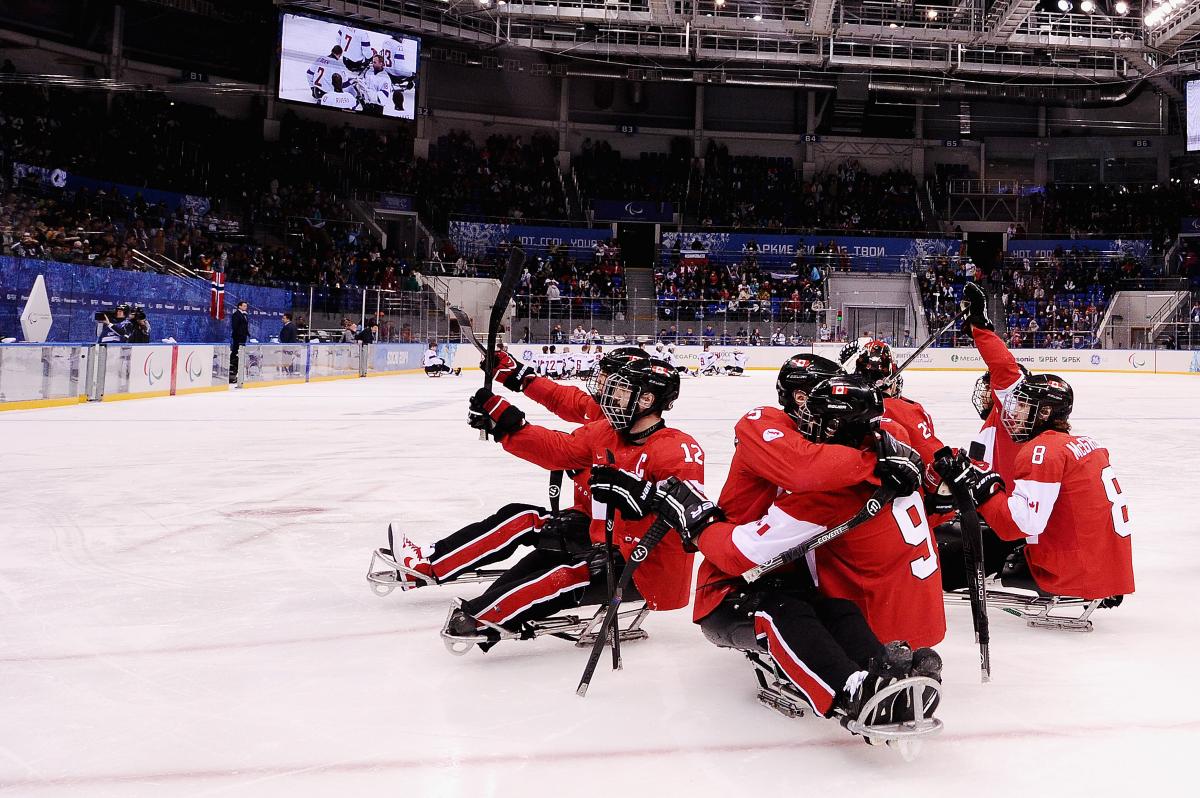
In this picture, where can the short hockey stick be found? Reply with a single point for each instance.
(891, 380)
(464, 326)
(972, 532)
(877, 502)
(654, 534)
(508, 285)
(610, 519)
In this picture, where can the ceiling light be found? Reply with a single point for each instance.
(1087, 6)
(892, 25)
(1121, 7)
(931, 14)
(758, 17)
(719, 3)
(1065, 5)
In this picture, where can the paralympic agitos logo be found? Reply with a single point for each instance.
(193, 373)
(148, 369)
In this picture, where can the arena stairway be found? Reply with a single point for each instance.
(639, 287)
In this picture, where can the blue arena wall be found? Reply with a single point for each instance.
(176, 307)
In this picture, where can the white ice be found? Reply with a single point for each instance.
(185, 614)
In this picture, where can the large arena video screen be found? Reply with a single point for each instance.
(1193, 115)
(354, 69)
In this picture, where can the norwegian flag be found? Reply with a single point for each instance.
(216, 302)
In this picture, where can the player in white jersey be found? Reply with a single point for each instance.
(569, 365)
(322, 72)
(588, 360)
(738, 367)
(375, 88)
(400, 63)
(673, 361)
(541, 361)
(435, 366)
(356, 47)
(708, 362)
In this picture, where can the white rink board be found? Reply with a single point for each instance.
(198, 624)
(1146, 361)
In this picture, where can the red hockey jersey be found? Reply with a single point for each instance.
(999, 448)
(577, 407)
(770, 456)
(665, 578)
(1066, 501)
(887, 566)
(918, 431)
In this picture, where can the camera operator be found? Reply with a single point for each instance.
(139, 327)
(115, 328)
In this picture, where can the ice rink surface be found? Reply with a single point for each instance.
(185, 613)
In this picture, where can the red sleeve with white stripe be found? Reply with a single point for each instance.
(549, 448)
(736, 548)
(1000, 361)
(1036, 485)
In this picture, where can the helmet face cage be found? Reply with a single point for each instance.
(609, 364)
(981, 396)
(1022, 410)
(1019, 414)
(618, 401)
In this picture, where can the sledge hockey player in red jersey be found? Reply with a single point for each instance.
(822, 651)
(994, 446)
(1065, 499)
(461, 555)
(637, 439)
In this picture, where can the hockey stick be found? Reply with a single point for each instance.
(610, 520)
(555, 489)
(464, 327)
(653, 536)
(968, 519)
(891, 379)
(508, 284)
(879, 499)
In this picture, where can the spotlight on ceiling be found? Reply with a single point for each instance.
(1065, 5)
(1087, 6)
(1121, 7)
(931, 14)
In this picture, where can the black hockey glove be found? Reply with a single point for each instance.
(848, 351)
(687, 510)
(622, 490)
(511, 373)
(489, 412)
(317, 92)
(957, 469)
(899, 468)
(974, 302)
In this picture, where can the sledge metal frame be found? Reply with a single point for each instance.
(1036, 609)
(776, 691)
(383, 580)
(569, 626)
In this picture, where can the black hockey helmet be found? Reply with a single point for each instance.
(1037, 403)
(622, 397)
(801, 373)
(610, 363)
(981, 395)
(876, 364)
(840, 410)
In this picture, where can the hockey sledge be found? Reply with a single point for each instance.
(1019, 596)
(569, 626)
(776, 691)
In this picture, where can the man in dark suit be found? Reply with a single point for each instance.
(369, 334)
(240, 323)
(288, 335)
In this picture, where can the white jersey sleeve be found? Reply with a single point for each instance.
(739, 359)
(432, 359)
(375, 87)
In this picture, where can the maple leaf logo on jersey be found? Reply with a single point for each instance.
(771, 435)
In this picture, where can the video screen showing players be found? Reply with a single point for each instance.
(356, 69)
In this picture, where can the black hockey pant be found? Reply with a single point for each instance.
(544, 583)
(817, 641)
(491, 540)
